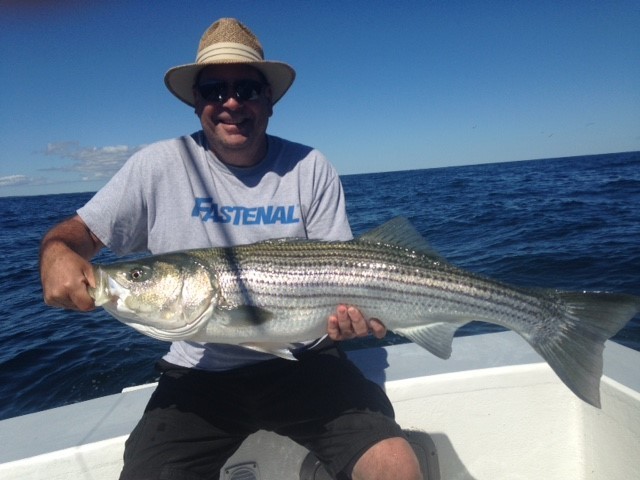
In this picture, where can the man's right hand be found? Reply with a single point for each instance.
(65, 271)
(65, 277)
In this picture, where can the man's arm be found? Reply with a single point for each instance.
(65, 271)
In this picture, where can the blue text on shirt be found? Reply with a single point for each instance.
(208, 211)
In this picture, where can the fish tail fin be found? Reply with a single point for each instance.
(574, 349)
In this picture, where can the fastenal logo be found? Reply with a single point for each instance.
(208, 211)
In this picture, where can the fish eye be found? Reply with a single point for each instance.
(138, 274)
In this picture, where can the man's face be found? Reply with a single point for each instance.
(235, 128)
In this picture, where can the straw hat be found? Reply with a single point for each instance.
(228, 41)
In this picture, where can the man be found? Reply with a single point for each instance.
(204, 190)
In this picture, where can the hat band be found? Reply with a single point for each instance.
(228, 51)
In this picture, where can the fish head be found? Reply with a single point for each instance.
(168, 297)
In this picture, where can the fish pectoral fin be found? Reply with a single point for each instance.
(247, 316)
(282, 350)
(435, 337)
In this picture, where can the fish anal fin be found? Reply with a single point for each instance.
(435, 337)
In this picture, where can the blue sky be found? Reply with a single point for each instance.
(381, 85)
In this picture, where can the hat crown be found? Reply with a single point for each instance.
(227, 41)
(226, 31)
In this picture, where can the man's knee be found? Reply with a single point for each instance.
(392, 458)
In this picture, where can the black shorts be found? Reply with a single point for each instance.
(196, 420)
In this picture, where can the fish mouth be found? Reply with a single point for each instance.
(108, 292)
(100, 293)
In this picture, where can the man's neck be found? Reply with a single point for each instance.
(242, 157)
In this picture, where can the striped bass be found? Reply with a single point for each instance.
(269, 295)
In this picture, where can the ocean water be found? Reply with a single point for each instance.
(570, 224)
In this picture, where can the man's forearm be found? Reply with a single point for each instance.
(73, 234)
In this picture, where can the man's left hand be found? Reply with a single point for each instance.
(348, 322)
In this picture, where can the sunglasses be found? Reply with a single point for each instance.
(218, 91)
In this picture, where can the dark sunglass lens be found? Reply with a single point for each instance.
(218, 91)
(247, 90)
(213, 91)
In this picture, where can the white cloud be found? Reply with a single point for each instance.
(91, 163)
(14, 180)
(94, 165)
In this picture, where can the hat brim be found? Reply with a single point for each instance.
(180, 80)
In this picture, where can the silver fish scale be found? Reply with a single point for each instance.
(302, 282)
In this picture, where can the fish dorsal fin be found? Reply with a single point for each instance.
(399, 232)
(276, 241)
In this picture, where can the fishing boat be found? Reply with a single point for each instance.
(494, 410)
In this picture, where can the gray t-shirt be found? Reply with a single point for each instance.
(176, 195)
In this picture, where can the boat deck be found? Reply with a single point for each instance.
(493, 410)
